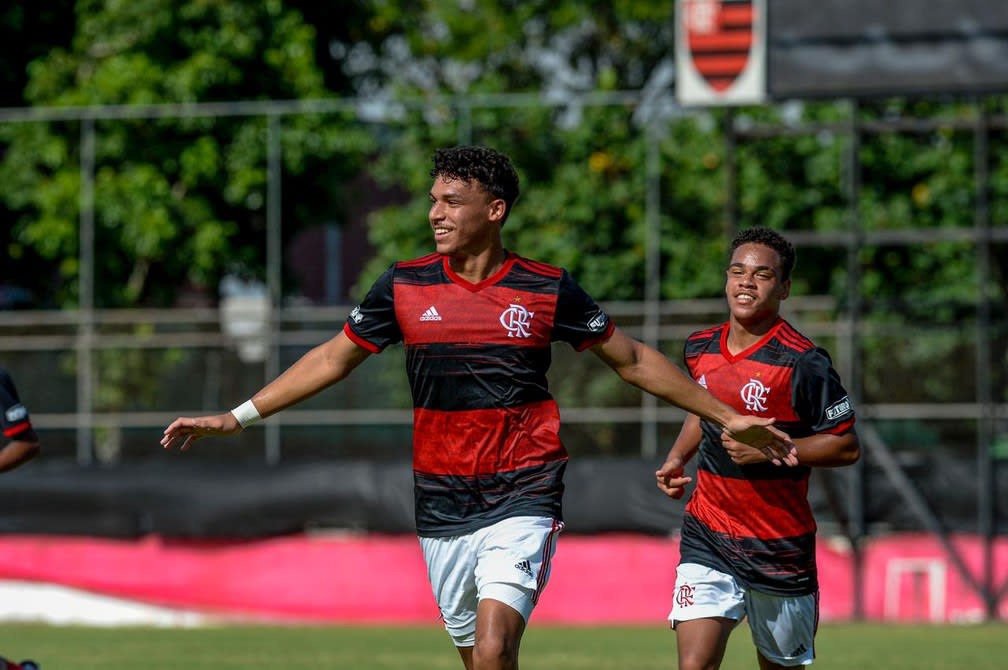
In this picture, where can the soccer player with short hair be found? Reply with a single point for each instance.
(748, 537)
(477, 322)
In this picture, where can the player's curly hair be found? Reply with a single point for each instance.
(771, 238)
(489, 168)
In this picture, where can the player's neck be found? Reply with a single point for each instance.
(478, 267)
(742, 335)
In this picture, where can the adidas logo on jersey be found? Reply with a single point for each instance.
(525, 567)
(430, 315)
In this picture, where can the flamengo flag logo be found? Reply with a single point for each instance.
(720, 52)
(719, 36)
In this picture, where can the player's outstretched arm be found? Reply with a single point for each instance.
(647, 369)
(323, 366)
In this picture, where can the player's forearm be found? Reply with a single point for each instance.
(697, 400)
(687, 443)
(318, 369)
(828, 451)
(303, 379)
(659, 376)
(17, 453)
(649, 370)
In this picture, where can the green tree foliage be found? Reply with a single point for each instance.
(176, 200)
(920, 300)
(185, 198)
(582, 165)
(584, 187)
(585, 183)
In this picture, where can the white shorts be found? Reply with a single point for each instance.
(783, 628)
(508, 561)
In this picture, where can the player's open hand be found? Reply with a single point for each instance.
(671, 480)
(759, 433)
(186, 430)
(741, 453)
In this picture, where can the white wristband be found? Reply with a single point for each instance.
(246, 413)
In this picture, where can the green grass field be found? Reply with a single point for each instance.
(840, 647)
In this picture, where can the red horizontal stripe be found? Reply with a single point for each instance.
(461, 323)
(766, 509)
(486, 441)
(736, 15)
(736, 41)
(720, 65)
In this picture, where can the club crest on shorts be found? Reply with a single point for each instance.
(684, 595)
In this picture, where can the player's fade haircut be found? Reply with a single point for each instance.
(487, 167)
(770, 238)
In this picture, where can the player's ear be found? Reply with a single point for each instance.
(785, 289)
(497, 208)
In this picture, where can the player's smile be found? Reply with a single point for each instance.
(753, 287)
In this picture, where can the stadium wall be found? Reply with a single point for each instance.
(186, 499)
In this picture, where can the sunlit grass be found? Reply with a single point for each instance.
(840, 647)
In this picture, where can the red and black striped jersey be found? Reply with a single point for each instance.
(14, 418)
(486, 442)
(755, 521)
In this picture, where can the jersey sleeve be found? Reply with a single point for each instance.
(372, 324)
(579, 319)
(820, 398)
(14, 420)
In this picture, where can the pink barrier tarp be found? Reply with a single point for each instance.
(596, 579)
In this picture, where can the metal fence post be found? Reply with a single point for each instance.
(85, 310)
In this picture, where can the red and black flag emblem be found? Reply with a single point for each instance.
(720, 37)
